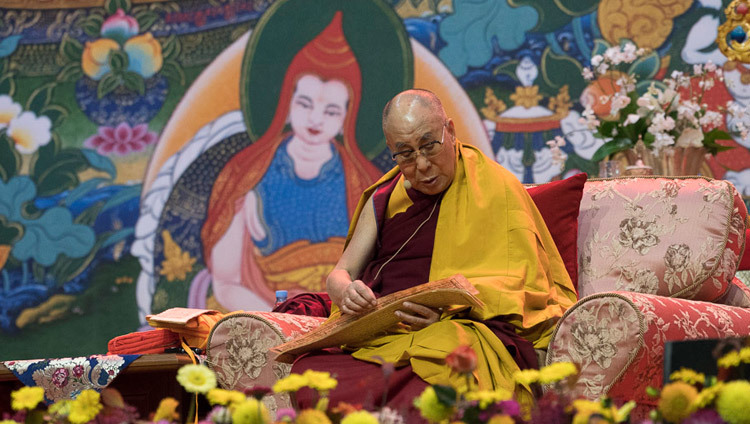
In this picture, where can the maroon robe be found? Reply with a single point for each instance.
(362, 382)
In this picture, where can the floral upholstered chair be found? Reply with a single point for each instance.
(656, 262)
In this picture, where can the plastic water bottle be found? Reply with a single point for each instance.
(281, 296)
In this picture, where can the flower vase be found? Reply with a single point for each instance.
(672, 161)
(121, 105)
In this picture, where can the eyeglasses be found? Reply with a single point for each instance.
(428, 150)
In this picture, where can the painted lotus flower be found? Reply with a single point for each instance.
(119, 27)
(121, 140)
(29, 132)
(95, 59)
(144, 55)
(8, 110)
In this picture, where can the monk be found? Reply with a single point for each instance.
(444, 209)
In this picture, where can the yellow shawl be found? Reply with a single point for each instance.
(490, 231)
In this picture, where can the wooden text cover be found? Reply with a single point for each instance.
(452, 291)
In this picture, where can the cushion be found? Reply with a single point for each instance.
(559, 203)
(676, 237)
(745, 261)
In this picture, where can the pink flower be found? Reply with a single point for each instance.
(463, 359)
(60, 377)
(121, 140)
(119, 27)
(78, 371)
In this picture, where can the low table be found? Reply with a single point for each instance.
(143, 384)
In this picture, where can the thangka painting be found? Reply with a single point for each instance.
(206, 153)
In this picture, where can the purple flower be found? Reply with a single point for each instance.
(119, 27)
(121, 140)
(286, 413)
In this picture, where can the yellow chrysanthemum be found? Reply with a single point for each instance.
(584, 409)
(320, 381)
(9, 422)
(501, 419)
(733, 402)
(312, 416)
(85, 407)
(526, 377)
(290, 383)
(250, 411)
(556, 372)
(224, 397)
(430, 407)
(60, 408)
(731, 359)
(675, 401)
(745, 355)
(488, 397)
(196, 378)
(688, 376)
(26, 398)
(706, 396)
(167, 410)
(360, 417)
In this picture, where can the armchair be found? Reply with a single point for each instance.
(656, 262)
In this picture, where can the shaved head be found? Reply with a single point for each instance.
(407, 101)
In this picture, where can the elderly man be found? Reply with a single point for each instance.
(444, 209)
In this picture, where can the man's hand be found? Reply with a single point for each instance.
(417, 316)
(357, 298)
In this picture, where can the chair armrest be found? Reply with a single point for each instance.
(239, 349)
(617, 340)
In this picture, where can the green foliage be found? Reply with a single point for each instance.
(40, 98)
(111, 6)
(146, 18)
(71, 49)
(70, 72)
(55, 170)
(7, 80)
(92, 25)
(446, 394)
(10, 232)
(108, 84)
(10, 159)
(172, 69)
(611, 147)
(133, 81)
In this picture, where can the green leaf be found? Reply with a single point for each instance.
(92, 25)
(172, 69)
(107, 84)
(10, 159)
(55, 170)
(65, 268)
(653, 392)
(40, 98)
(89, 215)
(607, 127)
(600, 46)
(507, 68)
(7, 84)
(171, 48)
(10, 231)
(146, 18)
(70, 72)
(111, 6)
(39, 272)
(99, 162)
(55, 113)
(611, 147)
(71, 48)
(83, 189)
(118, 61)
(645, 67)
(134, 82)
(445, 394)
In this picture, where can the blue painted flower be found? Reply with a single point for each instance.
(120, 27)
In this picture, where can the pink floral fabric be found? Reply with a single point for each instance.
(239, 350)
(677, 237)
(617, 339)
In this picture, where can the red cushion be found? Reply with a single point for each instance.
(745, 261)
(559, 203)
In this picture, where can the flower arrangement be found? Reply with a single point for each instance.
(122, 53)
(689, 398)
(625, 106)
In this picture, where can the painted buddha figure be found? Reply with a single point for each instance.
(279, 210)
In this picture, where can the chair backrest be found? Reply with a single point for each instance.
(670, 236)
